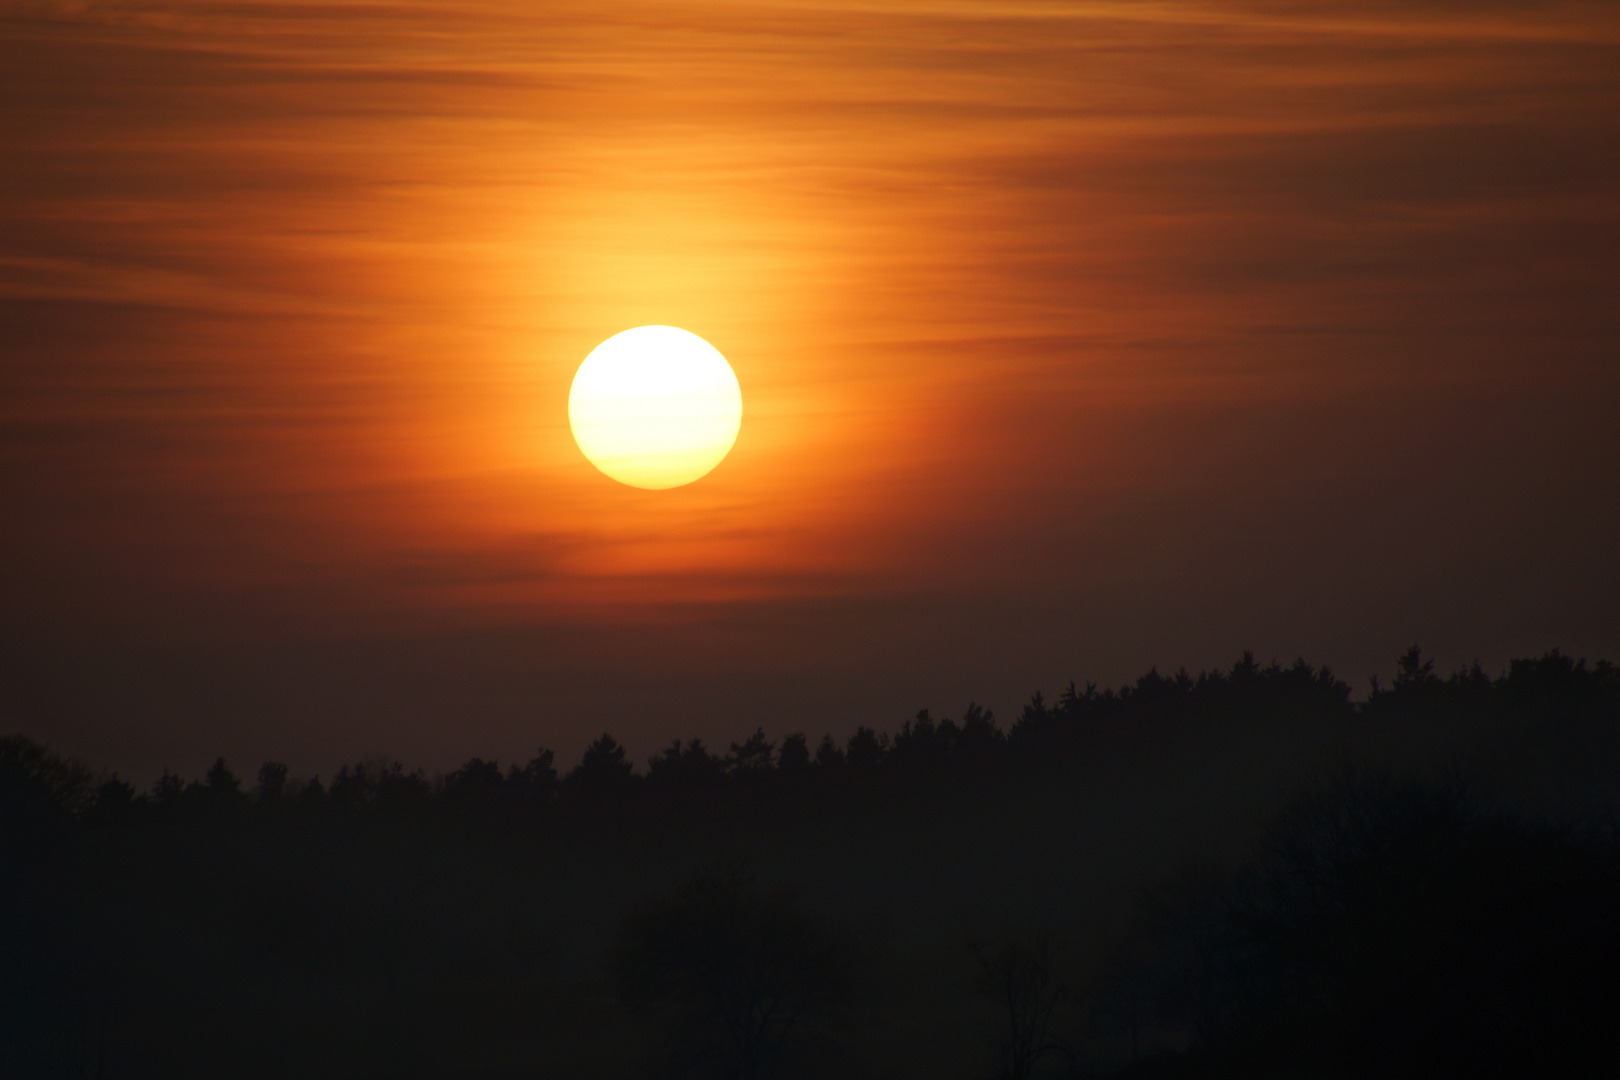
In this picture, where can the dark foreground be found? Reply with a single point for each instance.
(1242, 874)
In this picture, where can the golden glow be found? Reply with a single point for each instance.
(655, 407)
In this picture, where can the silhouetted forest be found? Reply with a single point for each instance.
(1239, 873)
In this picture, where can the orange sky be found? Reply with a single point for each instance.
(1073, 338)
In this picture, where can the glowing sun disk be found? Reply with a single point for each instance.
(655, 407)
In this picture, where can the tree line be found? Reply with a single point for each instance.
(1551, 687)
(1380, 926)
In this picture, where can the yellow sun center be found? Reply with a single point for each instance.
(655, 407)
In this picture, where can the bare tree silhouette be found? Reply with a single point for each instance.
(1020, 977)
(737, 969)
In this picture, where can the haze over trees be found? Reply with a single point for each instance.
(1243, 872)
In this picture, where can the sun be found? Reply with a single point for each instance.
(655, 407)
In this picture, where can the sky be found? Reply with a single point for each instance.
(1074, 338)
